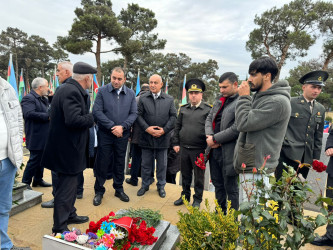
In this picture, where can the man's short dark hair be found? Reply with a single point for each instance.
(119, 70)
(231, 76)
(264, 65)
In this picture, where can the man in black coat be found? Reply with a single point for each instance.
(36, 125)
(66, 150)
(222, 136)
(157, 116)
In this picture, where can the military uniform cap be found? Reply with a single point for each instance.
(83, 68)
(195, 85)
(314, 77)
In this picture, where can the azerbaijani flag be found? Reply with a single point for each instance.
(22, 91)
(11, 75)
(166, 87)
(184, 101)
(137, 89)
(95, 87)
(103, 81)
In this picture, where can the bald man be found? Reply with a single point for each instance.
(156, 116)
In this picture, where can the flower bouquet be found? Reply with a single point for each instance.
(121, 232)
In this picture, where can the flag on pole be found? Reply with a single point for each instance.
(95, 88)
(103, 81)
(11, 75)
(51, 84)
(137, 89)
(184, 101)
(166, 87)
(22, 91)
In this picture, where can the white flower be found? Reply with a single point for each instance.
(119, 235)
(81, 239)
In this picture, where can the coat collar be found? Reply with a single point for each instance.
(110, 88)
(75, 83)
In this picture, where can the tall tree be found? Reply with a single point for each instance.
(284, 33)
(142, 22)
(94, 22)
(12, 41)
(325, 25)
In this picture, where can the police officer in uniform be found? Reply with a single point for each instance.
(303, 139)
(190, 140)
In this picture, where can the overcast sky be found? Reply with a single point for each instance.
(210, 29)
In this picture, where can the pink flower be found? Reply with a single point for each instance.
(71, 236)
(254, 170)
(243, 165)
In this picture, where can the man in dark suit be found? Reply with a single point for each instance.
(66, 150)
(156, 116)
(303, 139)
(115, 110)
(36, 125)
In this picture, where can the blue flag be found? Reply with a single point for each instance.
(11, 75)
(137, 89)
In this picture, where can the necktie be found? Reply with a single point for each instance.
(310, 105)
(155, 96)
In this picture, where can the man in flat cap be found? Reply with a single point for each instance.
(66, 150)
(156, 116)
(303, 139)
(189, 140)
(222, 135)
(115, 110)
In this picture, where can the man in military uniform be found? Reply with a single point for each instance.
(222, 136)
(190, 140)
(304, 134)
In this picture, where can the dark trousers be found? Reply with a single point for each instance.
(55, 182)
(187, 167)
(148, 157)
(110, 147)
(64, 201)
(329, 194)
(33, 168)
(225, 186)
(283, 159)
(136, 162)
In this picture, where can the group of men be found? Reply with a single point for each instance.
(239, 129)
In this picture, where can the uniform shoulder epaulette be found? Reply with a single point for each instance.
(207, 104)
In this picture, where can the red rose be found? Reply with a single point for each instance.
(318, 166)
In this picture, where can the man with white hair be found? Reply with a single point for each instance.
(36, 124)
(66, 150)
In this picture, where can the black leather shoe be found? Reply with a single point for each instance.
(79, 196)
(48, 204)
(129, 181)
(41, 183)
(29, 187)
(322, 241)
(122, 196)
(178, 202)
(97, 199)
(142, 191)
(161, 192)
(78, 220)
(196, 204)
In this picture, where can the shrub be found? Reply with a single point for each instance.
(205, 229)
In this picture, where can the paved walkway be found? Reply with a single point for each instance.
(27, 228)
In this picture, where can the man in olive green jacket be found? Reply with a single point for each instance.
(303, 139)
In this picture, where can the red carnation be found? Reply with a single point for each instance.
(318, 166)
(200, 162)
